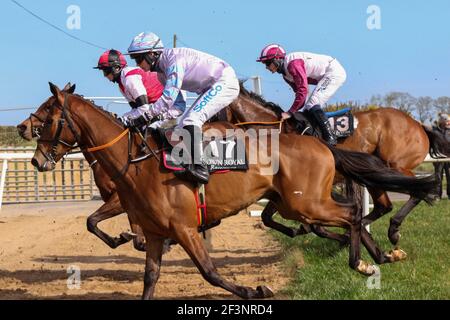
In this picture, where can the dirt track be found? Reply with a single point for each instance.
(39, 243)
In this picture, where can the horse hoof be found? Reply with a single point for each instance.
(396, 255)
(127, 236)
(264, 292)
(395, 237)
(140, 246)
(365, 268)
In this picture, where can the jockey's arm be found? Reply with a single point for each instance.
(166, 103)
(136, 88)
(300, 85)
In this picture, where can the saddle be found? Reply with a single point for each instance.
(222, 153)
(342, 122)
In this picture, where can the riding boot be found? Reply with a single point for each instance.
(196, 170)
(322, 121)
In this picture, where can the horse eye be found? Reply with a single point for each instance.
(48, 121)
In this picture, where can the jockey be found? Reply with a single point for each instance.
(299, 69)
(187, 69)
(140, 88)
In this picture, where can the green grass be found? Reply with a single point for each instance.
(319, 267)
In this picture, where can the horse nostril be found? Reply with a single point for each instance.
(21, 128)
(35, 163)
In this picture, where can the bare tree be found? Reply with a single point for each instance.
(442, 104)
(424, 109)
(377, 100)
(401, 100)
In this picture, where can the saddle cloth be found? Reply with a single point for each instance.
(221, 154)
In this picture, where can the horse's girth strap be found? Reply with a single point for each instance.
(109, 144)
(258, 123)
(261, 123)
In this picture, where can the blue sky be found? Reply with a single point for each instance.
(410, 53)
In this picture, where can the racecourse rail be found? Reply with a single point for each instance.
(71, 181)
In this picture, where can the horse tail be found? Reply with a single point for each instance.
(439, 146)
(370, 171)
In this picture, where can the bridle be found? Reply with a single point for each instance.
(66, 119)
(36, 131)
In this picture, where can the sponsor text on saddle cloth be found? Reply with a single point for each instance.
(222, 154)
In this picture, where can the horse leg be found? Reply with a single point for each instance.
(355, 261)
(271, 209)
(267, 215)
(190, 240)
(139, 238)
(382, 205)
(324, 233)
(108, 210)
(152, 265)
(376, 253)
(396, 221)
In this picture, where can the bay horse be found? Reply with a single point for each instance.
(398, 140)
(32, 127)
(165, 206)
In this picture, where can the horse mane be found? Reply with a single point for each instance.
(260, 100)
(112, 115)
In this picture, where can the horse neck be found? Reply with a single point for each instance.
(248, 110)
(96, 128)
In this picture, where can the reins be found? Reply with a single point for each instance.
(65, 118)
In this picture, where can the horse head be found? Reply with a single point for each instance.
(31, 127)
(72, 122)
(58, 133)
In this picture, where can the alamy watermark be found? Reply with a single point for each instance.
(259, 147)
(374, 281)
(74, 20)
(74, 279)
(374, 19)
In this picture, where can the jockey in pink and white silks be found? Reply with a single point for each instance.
(300, 69)
(139, 87)
(187, 69)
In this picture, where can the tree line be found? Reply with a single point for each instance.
(423, 109)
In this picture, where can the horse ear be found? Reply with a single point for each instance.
(68, 85)
(71, 90)
(56, 93)
(54, 89)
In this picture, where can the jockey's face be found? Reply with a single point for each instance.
(108, 74)
(271, 66)
(143, 65)
(110, 77)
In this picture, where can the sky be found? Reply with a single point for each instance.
(410, 52)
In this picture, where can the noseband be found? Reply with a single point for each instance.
(50, 156)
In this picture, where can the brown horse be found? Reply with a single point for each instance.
(165, 206)
(31, 128)
(391, 135)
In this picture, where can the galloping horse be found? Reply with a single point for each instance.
(165, 206)
(391, 135)
(31, 128)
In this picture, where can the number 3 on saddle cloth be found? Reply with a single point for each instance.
(342, 122)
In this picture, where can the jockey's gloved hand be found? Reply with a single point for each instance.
(140, 122)
(125, 121)
(137, 116)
